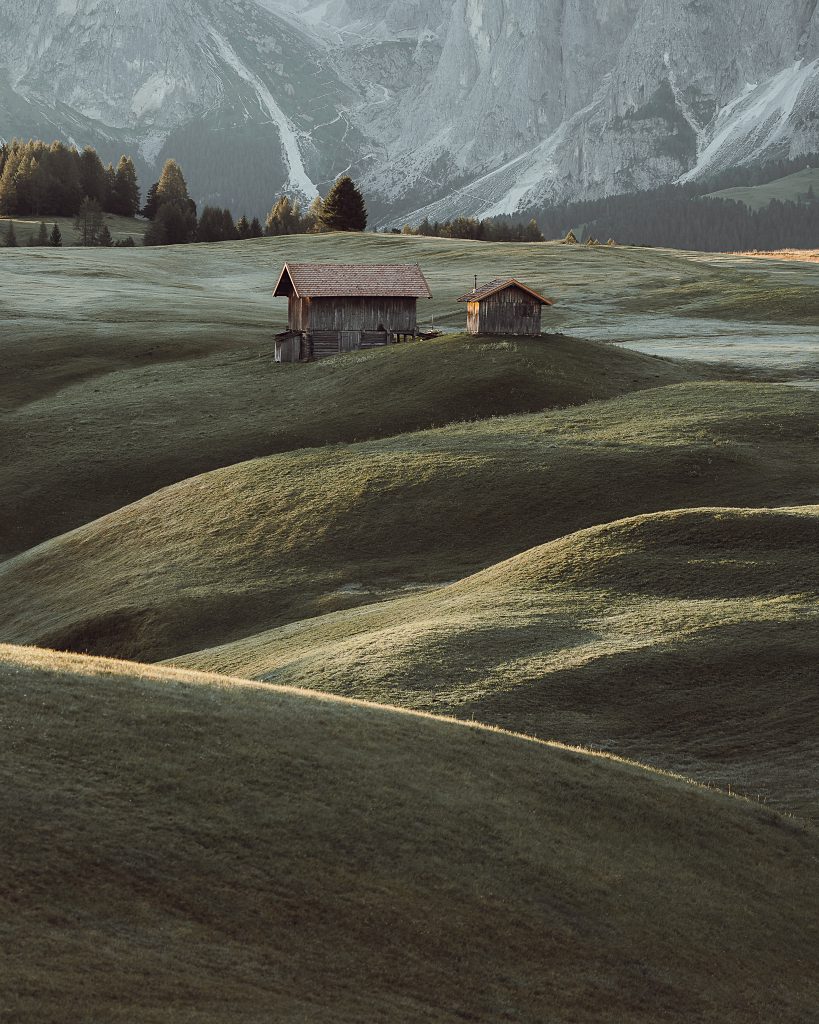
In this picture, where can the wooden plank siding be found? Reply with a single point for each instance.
(340, 307)
(289, 348)
(395, 315)
(511, 311)
(348, 323)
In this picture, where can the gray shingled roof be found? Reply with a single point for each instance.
(498, 285)
(360, 280)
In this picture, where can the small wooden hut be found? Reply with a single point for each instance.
(504, 306)
(341, 307)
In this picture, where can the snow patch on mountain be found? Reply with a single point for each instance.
(298, 178)
(756, 121)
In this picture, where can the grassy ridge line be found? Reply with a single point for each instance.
(668, 637)
(121, 420)
(268, 854)
(273, 540)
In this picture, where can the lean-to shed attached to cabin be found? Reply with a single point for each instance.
(341, 307)
(504, 306)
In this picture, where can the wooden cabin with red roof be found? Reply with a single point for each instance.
(504, 307)
(341, 307)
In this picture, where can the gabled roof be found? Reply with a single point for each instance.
(501, 284)
(359, 280)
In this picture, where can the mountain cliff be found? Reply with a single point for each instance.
(439, 106)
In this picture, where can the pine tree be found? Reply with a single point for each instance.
(313, 217)
(570, 239)
(65, 192)
(229, 232)
(11, 236)
(344, 208)
(256, 229)
(532, 233)
(284, 218)
(8, 183)
(105, 238)
(125, 189)
(110, 185)
(92, 175)
(216, 225)
(174, 224)
(55, 238)
(42, 234)
(243, 228)
(172, 187)
(149, 211)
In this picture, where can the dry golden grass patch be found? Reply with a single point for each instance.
(183, 847)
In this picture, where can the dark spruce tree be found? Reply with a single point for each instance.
(256, 229)
(93, 180)
(55, 239)
(216, 225)
(243, 228)
(344, 208)
(124, 198)
(174, 224)
(105, 238)
(151, 207)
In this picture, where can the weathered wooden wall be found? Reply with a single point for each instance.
(395, 315)
(298, 313)
(473, 317)
(289, 349)
(511, 311)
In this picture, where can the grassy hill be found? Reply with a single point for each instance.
(27, 228)
(278, 539)
(689, 640)
(182, 847)
(135, 369)
(792, 188)
(87, 434)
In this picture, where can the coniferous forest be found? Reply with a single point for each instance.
(41, 179)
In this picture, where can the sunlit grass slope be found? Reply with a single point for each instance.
(273, 540)
(686, 639)
(181, 847)
(89, 428)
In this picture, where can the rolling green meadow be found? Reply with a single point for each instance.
(473, 679)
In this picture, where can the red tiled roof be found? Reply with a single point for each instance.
(360, 280)
(499, 285)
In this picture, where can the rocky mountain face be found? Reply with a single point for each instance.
(439, 107)
(245, 99)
